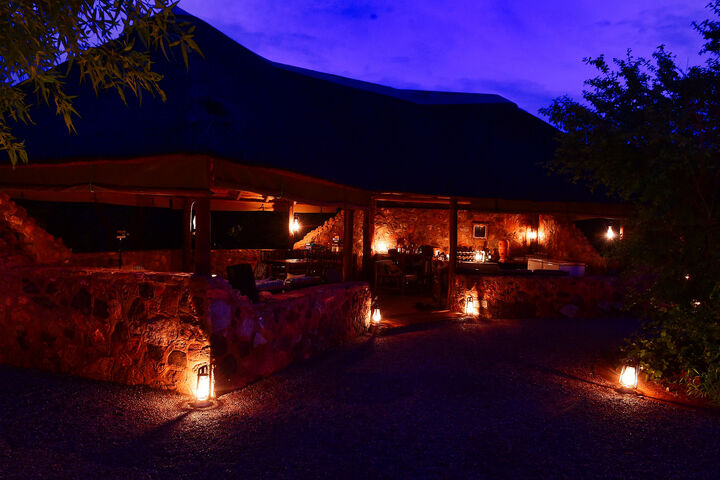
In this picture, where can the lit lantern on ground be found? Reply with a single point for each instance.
(203, 389)
(376, 317)
(629, 377)
(610, 234)
(469, 305)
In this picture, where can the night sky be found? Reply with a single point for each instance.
(526, 51)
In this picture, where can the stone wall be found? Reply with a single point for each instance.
(170, 260)
(130, 328)
(564, 241)
(23, 241)
(538, 296)
(335, 227)
(250, 341)
(155, 329)
(557, 238)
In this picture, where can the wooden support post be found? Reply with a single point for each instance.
(368, 238)
(453, 251)
(291, 217)
(347, 255)
(202, 236)
(187, 237)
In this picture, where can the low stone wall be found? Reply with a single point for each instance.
(250, 341)
(155, 329)
(538, 296)
(170, 260)
(124, 327)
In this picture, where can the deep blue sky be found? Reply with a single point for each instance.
(526, 51)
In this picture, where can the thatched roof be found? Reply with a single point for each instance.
(235, 105)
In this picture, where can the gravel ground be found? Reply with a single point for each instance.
(507, 399)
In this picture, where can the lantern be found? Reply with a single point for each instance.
(478, 257)
(469, 305)
(376, 317)
(203, 389)
(629, 377)
(610, 234)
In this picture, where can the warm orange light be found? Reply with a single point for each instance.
(469, 305)
(530, 234)
(629, 377)
(203, 388)
(478, 257)
(610, 234)
(376, 317)
(381, 246)
(294, 226)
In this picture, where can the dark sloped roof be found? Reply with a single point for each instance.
(236, 105)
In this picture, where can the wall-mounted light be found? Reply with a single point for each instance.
(610, 234)
(294, 226)
(381, 246)
(628, 377)
(193, 219)
(530, 234)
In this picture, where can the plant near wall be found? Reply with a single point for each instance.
(648, 132)
(108, 42)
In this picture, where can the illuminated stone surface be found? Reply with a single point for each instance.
(417, 226)
(538, 296)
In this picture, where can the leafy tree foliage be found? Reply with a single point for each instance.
(648, 132)
(108, 42)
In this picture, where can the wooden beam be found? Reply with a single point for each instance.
(452, 234)
(347, 256)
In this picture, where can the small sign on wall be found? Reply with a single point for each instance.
(479, 230)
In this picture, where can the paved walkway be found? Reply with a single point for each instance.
(441, 399)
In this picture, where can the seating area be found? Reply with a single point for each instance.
(278, 275)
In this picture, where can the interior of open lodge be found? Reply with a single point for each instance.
(374, 189)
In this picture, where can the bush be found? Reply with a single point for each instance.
(682, 345)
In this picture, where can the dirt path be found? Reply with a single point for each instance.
(509, 399)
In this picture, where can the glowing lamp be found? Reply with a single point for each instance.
(203, 388)
(629, 377)
(376, 317)
(530, 234)
(294, 226)
(381, 246)
(610, 234)
(469, 305)
(478, 257)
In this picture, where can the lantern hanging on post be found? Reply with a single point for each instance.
(629, 377)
